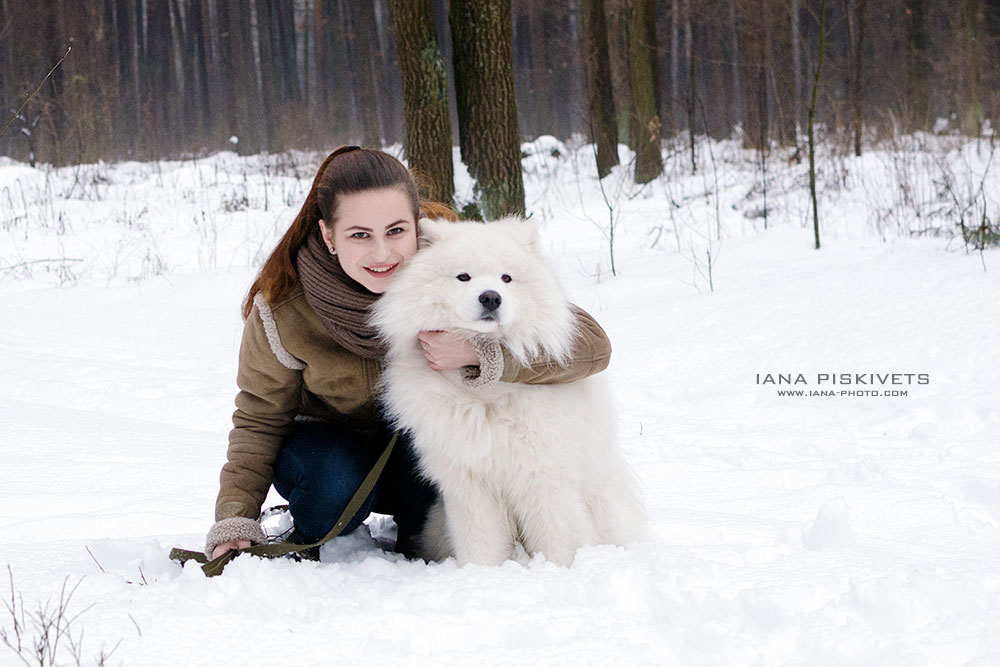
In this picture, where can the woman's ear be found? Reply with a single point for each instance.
(327, 232)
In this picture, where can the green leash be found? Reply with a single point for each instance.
(216, 565)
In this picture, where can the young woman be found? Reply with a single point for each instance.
(307, 417)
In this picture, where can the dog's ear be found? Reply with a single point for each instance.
(525, 231)
(431, 231)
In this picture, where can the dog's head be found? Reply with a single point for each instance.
(480, 279)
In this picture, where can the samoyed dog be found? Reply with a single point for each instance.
(515, 463)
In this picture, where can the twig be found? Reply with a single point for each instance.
(137, 628)
(13, 267)
(19, 626)
(95, 559)
(28, 98)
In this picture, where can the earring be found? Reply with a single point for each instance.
(333, 251)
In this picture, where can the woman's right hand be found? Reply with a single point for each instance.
(229, 546)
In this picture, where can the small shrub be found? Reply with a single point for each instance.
(985, 235)
(235, 201)
(46, 636)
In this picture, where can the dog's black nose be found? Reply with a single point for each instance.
(490, 300)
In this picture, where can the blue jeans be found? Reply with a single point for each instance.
(321, 465)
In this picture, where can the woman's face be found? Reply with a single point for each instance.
(374, 235)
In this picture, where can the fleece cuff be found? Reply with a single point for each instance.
(490, 367)
(233, 528)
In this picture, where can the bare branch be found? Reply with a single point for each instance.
(28, 98)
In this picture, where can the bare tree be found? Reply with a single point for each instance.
(970, 101)
(812, 121)
(796, 66)
(427, 136)
(856, 23)
(917, 114)
(488, 134)
(360, 23)
(753, 58)
(601, 107)
(734, 50)
(692, 81)
(641, 65)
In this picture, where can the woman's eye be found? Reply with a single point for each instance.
(395, 230)
(506, 278)
(359, 235)
(464, 277)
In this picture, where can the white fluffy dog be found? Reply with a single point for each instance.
(535, 464)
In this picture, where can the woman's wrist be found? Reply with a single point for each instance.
(233, 529)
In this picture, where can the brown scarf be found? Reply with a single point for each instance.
(341, 302)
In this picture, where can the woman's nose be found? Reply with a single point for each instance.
(380, 251)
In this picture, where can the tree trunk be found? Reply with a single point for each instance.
(754, 61)
(734, 50)
(286, 51)
(796, 68)
(601, 107)
(918, 116)
(779, 54)
(321, 70)
(386, 91)
(811, 122)
(971, 105)
(238, 68)
(692, 82)
(199, 70)
(663, 29)
(675, 58)
(615, 11)
(652, 48)
(716, 75)
(540, 71)
(360, 19)
(427, 134)
(991, 27)
(158, 95)
(648, 159)
(569, 74)
(487, 113)
(856, 25)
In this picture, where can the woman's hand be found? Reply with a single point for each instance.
(447, 351)
(228, 546)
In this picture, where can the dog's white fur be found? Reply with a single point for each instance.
(513, 462)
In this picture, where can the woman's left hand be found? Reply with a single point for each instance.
(447, 351)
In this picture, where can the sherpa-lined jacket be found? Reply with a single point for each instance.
(289, 366)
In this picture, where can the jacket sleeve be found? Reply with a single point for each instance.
(268, 401)
(591, 355)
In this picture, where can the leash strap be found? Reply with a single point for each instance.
(216, 565)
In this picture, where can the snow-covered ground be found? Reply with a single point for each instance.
(788, 530)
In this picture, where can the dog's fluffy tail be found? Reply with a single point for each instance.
(620, 516)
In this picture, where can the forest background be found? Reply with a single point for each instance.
(151, 79)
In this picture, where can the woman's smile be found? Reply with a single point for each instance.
(382, 270)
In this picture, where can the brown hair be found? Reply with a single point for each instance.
(346, 170)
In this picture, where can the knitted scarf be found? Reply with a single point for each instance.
(340, 301)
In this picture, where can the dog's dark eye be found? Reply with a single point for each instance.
(506, 278)
(464, 277)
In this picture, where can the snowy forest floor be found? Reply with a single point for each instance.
(787, 530)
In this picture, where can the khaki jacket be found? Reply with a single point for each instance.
(290, 366)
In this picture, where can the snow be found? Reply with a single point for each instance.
(788, 530)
